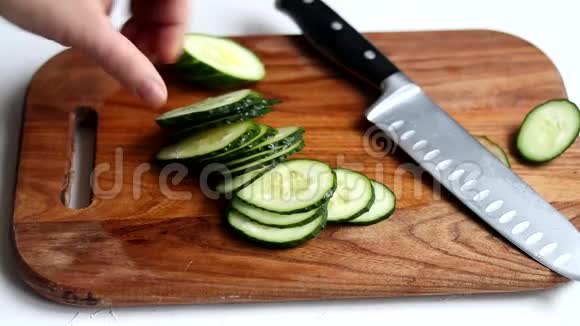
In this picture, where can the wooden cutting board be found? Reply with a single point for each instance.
(135, 246)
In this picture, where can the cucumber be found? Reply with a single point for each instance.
(285, 136)
(495, 149)
(295, 186)
(382, 208)
(274, 158)
(212, 108)
(274, 219)
(353, 197)
(231, 185)
(274, 237)
(239, 117)
(218, 62)
(258, 156)
(548, 131)
(265, 133)
(210, 143)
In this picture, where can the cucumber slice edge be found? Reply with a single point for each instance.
(276, 220)
(215, 106)
(381, 217)
(169, 153)
(364, 209)
(308, 231)
(321, 201)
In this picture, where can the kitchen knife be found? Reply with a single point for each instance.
(442, 147)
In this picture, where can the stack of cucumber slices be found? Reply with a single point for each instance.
(220, 130)
(275, 203)
(292, 202)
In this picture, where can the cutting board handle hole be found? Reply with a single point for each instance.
(77, 193)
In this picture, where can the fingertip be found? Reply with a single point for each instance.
(169, 41)
(152, 91)
(123, 60)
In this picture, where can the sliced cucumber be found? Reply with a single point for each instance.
(211, 108)
(258, 156)
(265, 133)
(231, 185)
(382, 208)
(275, 237)
(285, 135)
(495, 149)
(241, 116)
(210, 143)
(353, 197)
(274, 219)
(548, 131)
(218, 62)
(268, 160)
(295, 186)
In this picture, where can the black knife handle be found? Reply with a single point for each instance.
(334, 37)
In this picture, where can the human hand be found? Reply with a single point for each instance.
(153, 33)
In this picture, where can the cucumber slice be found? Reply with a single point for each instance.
(274, 158)
(275, 237)
(241, 116)
(548, 131)
(211, 142)
(295, 186)
(265, 133)
(285, 135)
(274, 219)
(212, 108)
(495, 149)
(353, 197)
(258, 156)
(382, 208)
(218, 62)
(231, 185)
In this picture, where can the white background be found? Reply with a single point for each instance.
(551, 25)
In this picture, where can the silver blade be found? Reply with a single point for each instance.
(475, 176)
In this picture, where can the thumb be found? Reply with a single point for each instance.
(121, 59)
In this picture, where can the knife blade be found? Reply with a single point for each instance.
(441, 146)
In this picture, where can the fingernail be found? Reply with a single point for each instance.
(153, 92)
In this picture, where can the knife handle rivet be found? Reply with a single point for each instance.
(507, 217)
(534, 238)
(548, 249)
(337, 26)
(408, 134)
(521, 227)
(481, 195)
(370, 55)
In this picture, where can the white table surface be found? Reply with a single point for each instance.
(551, 25)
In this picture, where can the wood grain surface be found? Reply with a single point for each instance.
(135, 245)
